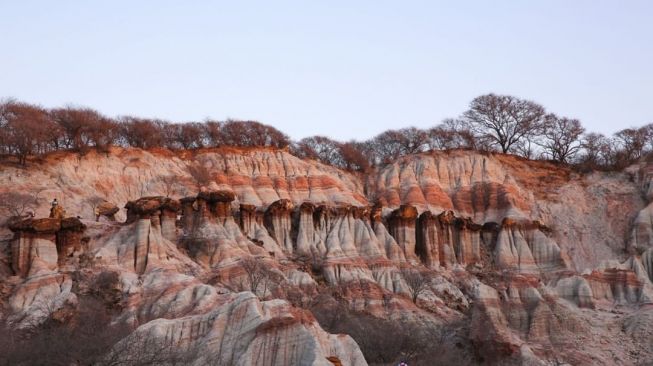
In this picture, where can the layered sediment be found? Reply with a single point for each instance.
(517, 252)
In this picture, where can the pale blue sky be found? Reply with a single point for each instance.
(346, 69)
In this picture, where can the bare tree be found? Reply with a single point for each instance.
(141, 133)
(561, 137)
(353, 157)
(417, 282)
(504, 120)
(526, 147)
(83, 127)
(252, 133)
(320, 148)
(82, 337)
(596, 150)
(258, 277)
(385, 341)
(170, 183)
(18, 204)
(451, 134)
(392, 144)
(94, 202)
(212, 132)
(189, 135)
(27, 129)
(200, 174)
(632, 142)
(142, 349)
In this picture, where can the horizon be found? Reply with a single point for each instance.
(342, 71)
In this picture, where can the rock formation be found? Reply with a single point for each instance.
(526, 262)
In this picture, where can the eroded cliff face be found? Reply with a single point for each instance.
(536, 261)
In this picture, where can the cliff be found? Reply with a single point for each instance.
(530, 256)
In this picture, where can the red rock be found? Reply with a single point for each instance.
(43, 225)
(108, 209)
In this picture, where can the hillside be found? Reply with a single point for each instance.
(254, 256)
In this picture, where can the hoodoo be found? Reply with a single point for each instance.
(227, 272)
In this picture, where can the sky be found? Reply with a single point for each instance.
(344, 69)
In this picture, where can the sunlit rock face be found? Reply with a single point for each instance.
(40, 250)
(45, 244)
(530, 262)
(401, 224)
(278, 222)
(244, 330)
(445, 240)
(210, 233)
(525, 247)
(473, 185)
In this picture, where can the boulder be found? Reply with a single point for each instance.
(43, 225)
(108, 210)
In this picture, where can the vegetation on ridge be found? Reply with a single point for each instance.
(493, 122)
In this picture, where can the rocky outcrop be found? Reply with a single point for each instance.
(401, 224)
(615, 285)
(244, 331)
(473, 185)
(577, 290)
(647, 263)
(445, 240)
(146, 239)
(251, 220)
(490, 331)
(341, 239)
(40, 249)
(256, 176)
(154, 220)
(107, 209)
(393, 251)
(71, 242)
(44, 244)
(491, 234)
(210, 233)
(33, 248)
(278, 221)
(525, 247)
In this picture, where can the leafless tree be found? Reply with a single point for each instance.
(392, 144)
(189, 135)
(451, 134)
(80, 338)
(504, 120)
(82, 128)
(561, 137)
(348, 155)
(213, 134)
(320, 148)
(353, 156)
(142, 349)
(201, 175)
(94, 202)
(252, 133)
(596, 150)
(417, 282)
(170, 184)
(141, 133)
(17, 204)
(258, 277)
(632, 142)
(27, 129)
(385, 341)
(526, 147)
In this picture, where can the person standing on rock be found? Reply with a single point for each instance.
(56, 211)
